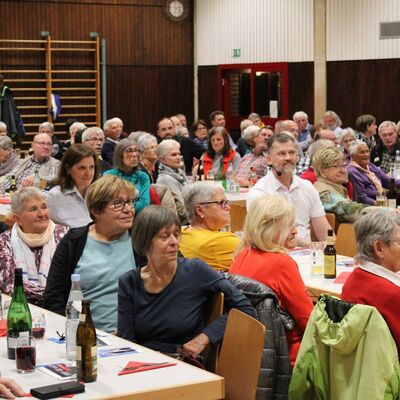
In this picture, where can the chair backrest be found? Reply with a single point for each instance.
(238, 215)
(346, 240)
(331, 217)
(240, 357)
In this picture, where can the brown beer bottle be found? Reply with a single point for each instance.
(86, 348)
(330, 257)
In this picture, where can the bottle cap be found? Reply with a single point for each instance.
(75, 278)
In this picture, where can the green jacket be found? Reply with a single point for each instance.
(347, 353)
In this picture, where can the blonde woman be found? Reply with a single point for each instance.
(262, 255)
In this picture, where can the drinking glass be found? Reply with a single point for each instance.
(38, 325)
(25, 354)
(317, 258)
(381, 200)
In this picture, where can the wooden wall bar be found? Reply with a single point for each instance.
(149, 57)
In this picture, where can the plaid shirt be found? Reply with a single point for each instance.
(302, 164)
(259, 163)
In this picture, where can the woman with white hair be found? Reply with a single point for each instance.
(346, 137)
(208, 211)
(8, 159)
(148, 160)
(30, 244)
(376, 280)
(268, 233)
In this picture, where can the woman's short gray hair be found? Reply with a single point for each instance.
(145, 141)
(23, 195)
(3, 125)
(135, 136)
(89, 132)
(120, 148)
(376, 225)
(166, 146)
(353, 149)
(6, 143)
(198, 192)
(250, 132)
(346, 132)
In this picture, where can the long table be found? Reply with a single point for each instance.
(181, 381)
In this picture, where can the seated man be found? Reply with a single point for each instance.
(93, 137)
(57, 150)
(242, 146)
(256, 159)
(39, 162)
(282, 156)
(304, 128)
(112, 129)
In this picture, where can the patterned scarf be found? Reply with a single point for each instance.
(9, 165)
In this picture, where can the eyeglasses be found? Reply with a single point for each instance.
(95, 139)
(119, 205)
(201, 128)
(152, 147)
(342, 166)
(221, 203)
(131, 151)
(43, 144)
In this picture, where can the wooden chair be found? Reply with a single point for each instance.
(332, 221)
(238, 215)
(214, 309)
(346, 240)
(240, 358)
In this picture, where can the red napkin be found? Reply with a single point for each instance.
(3, 327)
(5, 200)
(342, 278)
(136, 366)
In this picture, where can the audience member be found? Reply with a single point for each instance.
(93, 137)
(269, 231)
(331, 121)
(242, 146)
(57, 150)
(256, 119)
(30, 244)
(366, 129)
(162, 305)
(148, 160)
(39, 162)
(100, 252)
(126, 167)
(256, 160)
(219, 152)
(3, 129)
(332, 175)
(304, 129)
(327, 134)
(208, 211)
(8, 159)
(198, 132)
(74, 129)
(67, 200)
(217, 119)
(282, 156)
(376, 281)
(112, 130)
(183, 120)
(346, 137)
(383, 154)
(367, 179)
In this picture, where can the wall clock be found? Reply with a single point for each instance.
(177, 10)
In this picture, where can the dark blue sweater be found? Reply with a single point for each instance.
(168, 319)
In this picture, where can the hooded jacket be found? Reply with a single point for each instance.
(347, 353)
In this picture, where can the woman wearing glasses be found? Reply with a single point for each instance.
(208, 211)
(126, 162)
(100, 252)
(67, 200)
(328, 164)
(198, 132)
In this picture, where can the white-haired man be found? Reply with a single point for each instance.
(112, 129)
(304, 129)
(93, 137)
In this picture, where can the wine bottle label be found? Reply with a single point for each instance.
(78, 353)
(329, 265)
(392, 203)
(82, 317)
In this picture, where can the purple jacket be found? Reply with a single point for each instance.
(364, 191)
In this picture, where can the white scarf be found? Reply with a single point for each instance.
(383, 272)
(24, 258)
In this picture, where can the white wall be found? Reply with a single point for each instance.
(353, 29)
(264, 31)
(282, 30)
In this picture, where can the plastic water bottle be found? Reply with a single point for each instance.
(72, 312)
(396, 169)
(229, 178)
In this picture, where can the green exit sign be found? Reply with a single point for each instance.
(235, 53)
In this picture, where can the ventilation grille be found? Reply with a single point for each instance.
(389, 30)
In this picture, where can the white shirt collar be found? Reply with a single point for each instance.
(383, 272)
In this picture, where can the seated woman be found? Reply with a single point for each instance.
(367, 179)
(148, 160)
(125, 163)
(328, 164)
(208, 211)
(268, 233)
(162, 305)
(198, 132)
(219, 151)
(67, 200)
(346, 137)
(30, 244)
(376, 280)
(100, 252)
(8, 159)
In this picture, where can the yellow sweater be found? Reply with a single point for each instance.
(214, 248)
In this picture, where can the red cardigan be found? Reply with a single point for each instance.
(208, 161)
(362, 287)
(281, 273)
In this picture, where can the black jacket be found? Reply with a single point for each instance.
(276, 370)
(10, 116)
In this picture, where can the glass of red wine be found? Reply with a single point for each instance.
(25, 354)
(38, 325)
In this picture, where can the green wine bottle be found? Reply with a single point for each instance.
(19, 319)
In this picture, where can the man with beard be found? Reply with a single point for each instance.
(282, 157)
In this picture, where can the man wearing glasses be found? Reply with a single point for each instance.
(39, 162)
(94, 138)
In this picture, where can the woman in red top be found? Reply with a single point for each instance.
(268, 233)
(219, 151)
